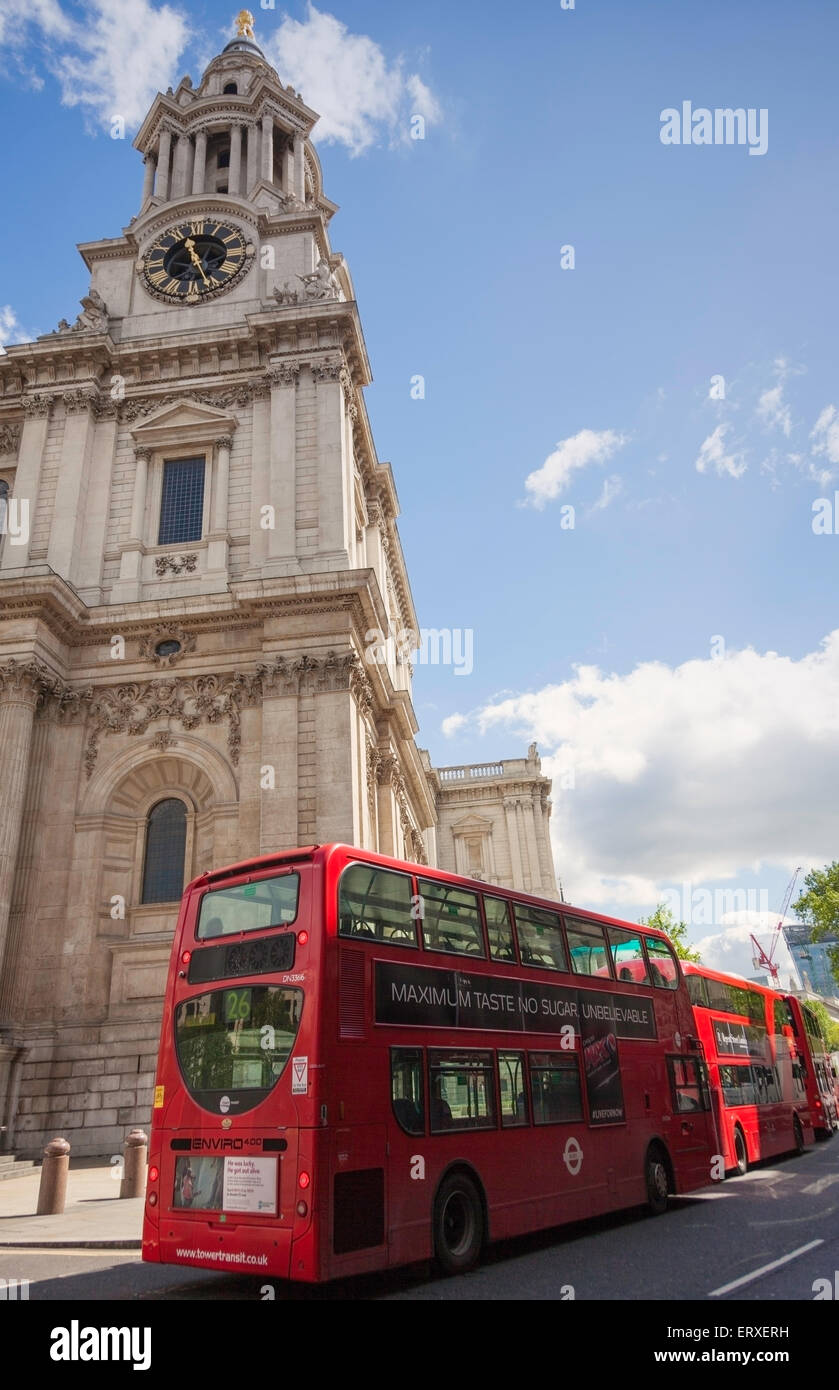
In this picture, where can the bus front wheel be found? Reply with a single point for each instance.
(458, 1225)
(657, 1180)
(741, 1153)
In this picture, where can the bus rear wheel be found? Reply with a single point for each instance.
(458, 1225)
(657, 1180)
(741, 1153)
(798, 1135)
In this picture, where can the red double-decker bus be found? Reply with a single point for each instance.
(757, 1068)
(821, 1091)
(365, 1063)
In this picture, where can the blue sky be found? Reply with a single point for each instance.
(693, 760)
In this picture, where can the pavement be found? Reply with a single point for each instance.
(94, 1216)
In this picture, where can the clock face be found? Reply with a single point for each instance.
(195, 261)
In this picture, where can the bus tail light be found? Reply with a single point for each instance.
(152, 1199)
(186, 958)
(154, 1173)
(302, 1209)
(302, 938)
(303, 1180)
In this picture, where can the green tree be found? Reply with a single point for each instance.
(663, 920)
(830, 1030)
(818, 906)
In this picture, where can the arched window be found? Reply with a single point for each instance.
(230, 89)
(163, 866)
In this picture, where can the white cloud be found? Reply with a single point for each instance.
(695, 773)
(453, 724)
(11, 329)
(712, 454)
(773, 411)
(612, 488)
(731, 949)
(348, 80)
(570, 455)
(112, 63)
(825, 435)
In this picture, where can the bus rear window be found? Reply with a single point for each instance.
(233, 1044)
(268, 902)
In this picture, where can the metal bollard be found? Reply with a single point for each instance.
(134, 1164)
(52, 1192)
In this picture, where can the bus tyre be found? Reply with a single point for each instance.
(657, 1180)
(798, 1135)
(458, 1225)
(741, 1153)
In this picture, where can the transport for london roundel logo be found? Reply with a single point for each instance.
(573, 1156)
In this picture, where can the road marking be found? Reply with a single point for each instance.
(765, 1269)
(814, 1188)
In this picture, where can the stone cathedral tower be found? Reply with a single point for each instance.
(199, 534)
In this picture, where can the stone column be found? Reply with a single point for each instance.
(533, 836)
(288, 167)
(252, 164)
(333, 525)
(15, 552)
(179, 166)
(513, 837)
(235, 172)
(299, 189)
(148, 177)
(21, 686)
(282, 540)
(68, 520)
(223, 445)
(163, 154)
(138, 501)
(268, 148)
(24, 926)
(200, 167)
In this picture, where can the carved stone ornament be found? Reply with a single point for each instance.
(327, 371)
(130, 709)
(164, 632)
(32, 683)
(286, 295)
(286, 374)
(92, 319)
(175, 564)
(37, 405)
(308, 675)
(320, 284)
(242, 394)
(9, 438)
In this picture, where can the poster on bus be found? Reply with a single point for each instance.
(601, 1065)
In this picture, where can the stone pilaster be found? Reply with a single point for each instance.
(22, 685)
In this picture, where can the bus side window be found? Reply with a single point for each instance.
(406, 1089)
(587, 946)
(686, 1081)
(499, 929)
(663, 968)
(627, 956)
(512, 1089)
(376, 903)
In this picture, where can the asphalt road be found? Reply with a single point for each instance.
(767, 1237)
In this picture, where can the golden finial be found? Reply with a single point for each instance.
(244, 24)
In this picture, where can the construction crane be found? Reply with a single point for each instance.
(763, 960)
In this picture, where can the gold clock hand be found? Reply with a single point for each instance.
(195, 258)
